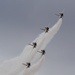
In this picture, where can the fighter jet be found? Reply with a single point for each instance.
(28, 64)
(34, 44)
(46, 29)
(60, 14)
(42, 52)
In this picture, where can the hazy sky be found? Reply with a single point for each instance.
(20, 23)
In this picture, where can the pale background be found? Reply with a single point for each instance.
(20, 23)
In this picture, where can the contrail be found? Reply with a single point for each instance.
(32, 70)
(11, 65)
(50, 35)
(15, 67)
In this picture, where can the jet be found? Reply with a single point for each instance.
(28, 64)
(60, 14)
(42, 52)
(46, 29)
(34, 44)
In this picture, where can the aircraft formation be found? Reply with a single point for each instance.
(23, 64)
(34, 44)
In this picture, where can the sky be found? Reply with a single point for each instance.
(20, 23)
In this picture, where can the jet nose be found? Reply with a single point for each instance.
(61, 15)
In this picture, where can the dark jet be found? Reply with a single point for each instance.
(42, 52)
(46, 29)
(27, 64)
(34, 44)
(60, 14)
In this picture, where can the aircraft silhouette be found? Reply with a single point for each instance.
(60, 14)
(34, 44)
(28, 64)
(42, 52)
(46, 29)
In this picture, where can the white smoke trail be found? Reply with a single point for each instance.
(30, 52)
(19, 67)
(14, 66)
(33, 69)
(46, 39)
(51, 33)
(42, 43)
(48, 36)
(29, 56)
(28, 47)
